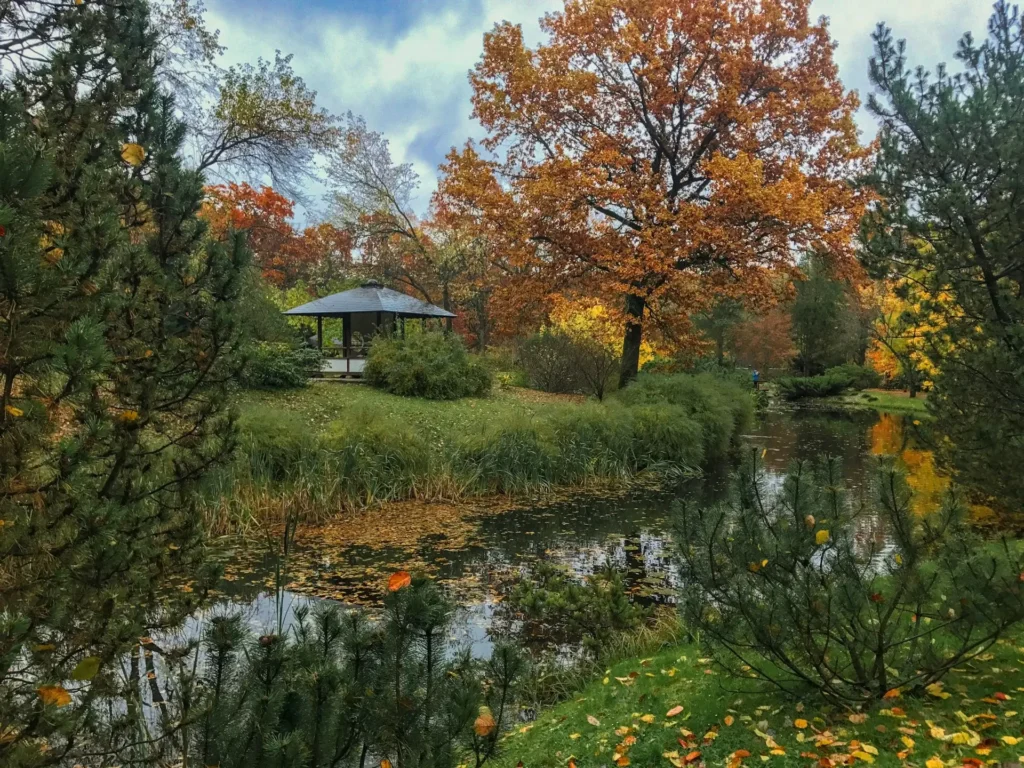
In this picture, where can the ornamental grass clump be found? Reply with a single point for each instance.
(804, 588)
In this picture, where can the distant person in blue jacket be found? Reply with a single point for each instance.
(757, 379)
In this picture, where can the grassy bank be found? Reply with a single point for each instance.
(977, 723)
(332, 447)
(882, 400)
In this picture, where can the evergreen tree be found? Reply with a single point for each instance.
(826, 328)
(341, 691)
(951, 172)
(117, 338)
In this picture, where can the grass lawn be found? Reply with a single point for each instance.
(882, 400)
(626, 714)
(322, 403)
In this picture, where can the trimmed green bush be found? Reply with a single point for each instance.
(279, 365)
(431, 365)
(861, 376)
(800, 387)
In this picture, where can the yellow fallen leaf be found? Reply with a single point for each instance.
(54, 694)
(864, 756)
(907, 742)
(871, 750)
(1011, 740)
(935, 689)
(800, 723)
(648, 719)
(934, 762)
(133, 154)
(574, 736)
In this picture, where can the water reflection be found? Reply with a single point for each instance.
(491, 550)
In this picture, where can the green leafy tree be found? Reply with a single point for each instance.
(117, 325)
(951, 218)
(786, 588)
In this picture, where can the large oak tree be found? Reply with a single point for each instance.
(667, 151)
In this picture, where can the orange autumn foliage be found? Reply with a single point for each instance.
(283, 255)
(664, 151)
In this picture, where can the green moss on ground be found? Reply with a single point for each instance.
(978, 720)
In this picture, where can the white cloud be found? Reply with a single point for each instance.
(413, 86)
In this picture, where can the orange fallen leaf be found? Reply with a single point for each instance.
(729, 720)
(54, 694)
(692, 756)
(892, 693)
(674, 711)
(398, 580)
(485, 724)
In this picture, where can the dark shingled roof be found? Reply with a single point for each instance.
(370, 297)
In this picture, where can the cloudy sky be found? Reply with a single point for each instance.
(402, 64)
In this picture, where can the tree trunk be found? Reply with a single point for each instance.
(446, 302)
(635, 306)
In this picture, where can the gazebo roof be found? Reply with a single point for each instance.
(370, 297)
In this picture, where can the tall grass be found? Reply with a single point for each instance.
(286, 466)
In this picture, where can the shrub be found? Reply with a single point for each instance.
(785, 587)
(270, 365)
(861, 376)
(431, 365)
(568, 363)
(800, 387)
(723, 406)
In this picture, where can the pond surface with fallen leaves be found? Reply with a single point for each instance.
(480, 550)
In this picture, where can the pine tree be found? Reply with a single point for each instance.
(950, 170)
(116, 346)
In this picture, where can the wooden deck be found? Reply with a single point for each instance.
(346, 368)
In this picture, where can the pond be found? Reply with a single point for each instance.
(480, 551)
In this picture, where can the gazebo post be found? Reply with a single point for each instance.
(402, 324)
(346, 335)
(320, 332)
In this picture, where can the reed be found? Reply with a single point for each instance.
(289, 466)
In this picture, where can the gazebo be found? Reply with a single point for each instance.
(365, 312)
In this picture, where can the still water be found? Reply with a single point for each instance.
(480, 551)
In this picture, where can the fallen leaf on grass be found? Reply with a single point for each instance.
(674, 711)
